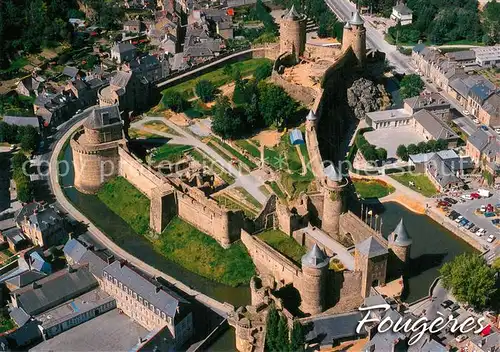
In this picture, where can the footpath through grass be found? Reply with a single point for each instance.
(284, 244)
(180, 242)
(127, 202)
(421, 182)
(372, 188)
(217, 77)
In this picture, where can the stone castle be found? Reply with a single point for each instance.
(100, 152)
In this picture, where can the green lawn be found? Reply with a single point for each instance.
(217, 77)
(277, 190)
(249, 147)
(422, 183)
(199, 253)
(238, 155)
(219, 150)
(284, 244)
(209, 163)
(128, 202)
(232, 204)
(372, 189)
(170, 152)
(249, 198)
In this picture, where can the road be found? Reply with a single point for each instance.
(250, 183)
(374, 39)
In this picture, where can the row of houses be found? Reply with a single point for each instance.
(453, 73)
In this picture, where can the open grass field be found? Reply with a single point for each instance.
(170, 152)
(284, 244)
(422, 183)
(372, 189)
(249, 147)
(128, 202)
(238, 155)
(199, 253)
(217, 77)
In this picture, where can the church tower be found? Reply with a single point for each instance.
(355, 37)
(314, 280)
(400, 244)
(293, 33)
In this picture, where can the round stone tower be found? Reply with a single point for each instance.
(346, 36)
(95, 148)
(400, 243)
(314, 280)
(332, 201)
(358, 38)
(293, 33)
(311, 121)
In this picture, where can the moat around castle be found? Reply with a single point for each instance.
(433, 245)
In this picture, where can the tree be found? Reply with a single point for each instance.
(470, 279)
(227, 70)
(282, 338)
(228, 123)
(263, 71)
(402, 152)
(272, 328)
(422, 147)
(18, 160)
(369, 152)
(410, 86)
(441, 144)
(412, 149)
(174, 101)
(205, 90)
(432, 146)
(275, 104)
(496, 264)
(8, 133)
(297, 338)
(28, 138)
(381, 154)
(491, 21)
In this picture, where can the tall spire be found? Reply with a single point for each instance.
(292, 14)
(400, 235)
(356, 19)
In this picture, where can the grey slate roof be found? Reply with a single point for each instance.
(74, 249)
(401, 237)
(25, 278)
(123, 47)
(22, 121)
(419, 101)
(481, 91)
(95, 264)
(315, 258)
(387, 340)
(374, 301)
(165, 301)
(70, 71)
(402, 9)
(100, 116)
(14, 235)
(492, 104)
(332, 173)
(490, 341)
(326, 329)
(433, 125)
(311, 116)
(44, 218)
(50, 291)
(121, 79)
(479, 139)
(441, 172)
(356, 19)
(19, 316)
(292, 14)
(371, 248)
(464, 55)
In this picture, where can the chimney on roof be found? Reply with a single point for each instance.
(157, 289)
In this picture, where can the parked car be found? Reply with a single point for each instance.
(447, 303)
(482, 209)
(466, 112)
(476, 121)
(450, 200)
(454, 307)
(470, 225)
(459, 218)
(453, 214)
(466, 196)
(463, 222)
(484, 128)
(443, 203)
(474, 229)
(461, 338)
(475, 195)
(480, 232)
(484, 192)
(491, 238)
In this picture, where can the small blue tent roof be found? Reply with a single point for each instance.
(296, 137)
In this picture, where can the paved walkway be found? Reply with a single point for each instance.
(220, 308)
(250, 183)
(341, 253)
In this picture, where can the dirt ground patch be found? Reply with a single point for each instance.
(268, 138)
(180, 119)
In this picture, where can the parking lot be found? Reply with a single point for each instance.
(467, 210)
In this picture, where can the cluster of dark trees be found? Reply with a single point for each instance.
(472, 281)
(279, 337)
(24, 187)
(30, 25)
(258, 12)
(404, 152)
(262, 105)
(27, 136)
(411, 86)
(441, 21)
(369, 151)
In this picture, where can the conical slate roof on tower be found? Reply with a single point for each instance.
(356, 19)
(400, 235)
(311, 116)
(292, 14)
(315, 258)
(371, 248)
(347, 25)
